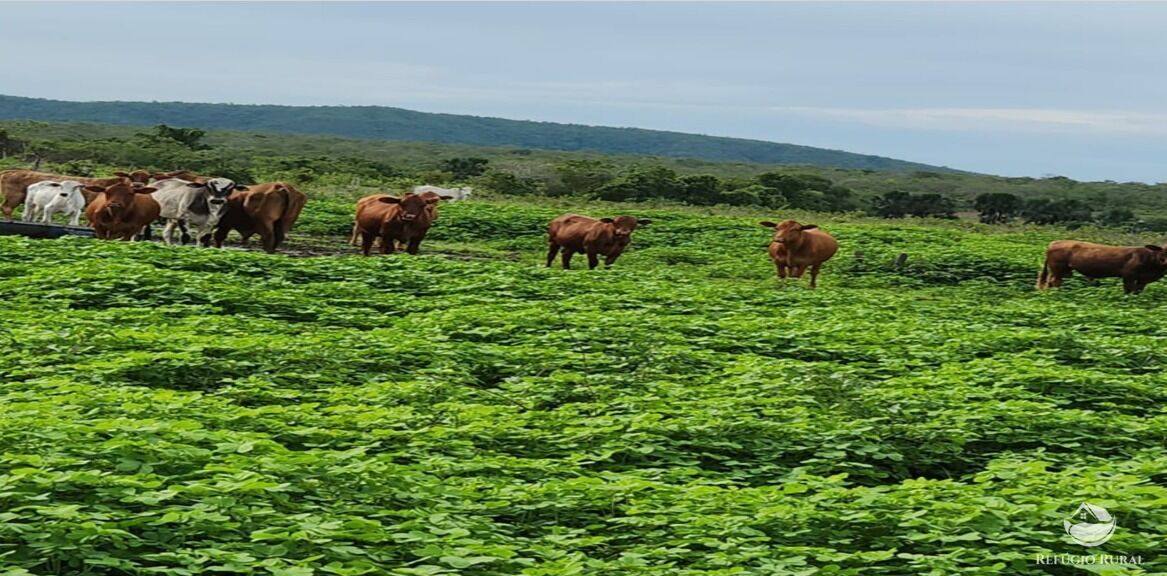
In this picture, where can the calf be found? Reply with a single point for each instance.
(574, 233)
(796, 246)
(1136, 265)
(14, 185)
(431, 198)
(392, 219)
(47, 198)
(120, 211)
(200, 204)
(269, 209)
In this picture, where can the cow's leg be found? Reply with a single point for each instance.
(552, 250)
(593, 260)
(388, 245)
(75, 220)
(1130, 285)
(186, 237)
(268, 235)
(414, 246)
(609, 259)
(1057, 275)
(168, 231)
(219, 236)
(796, 271)
(814, 275)
(567, 254)
(366, 242)
(781, 266)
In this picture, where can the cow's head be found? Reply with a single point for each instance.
(70, 188)
(1157, 255)
(788, 232)
(217, 191)
(137, 176)
(412, 206)
(120, 196)
(622, 226)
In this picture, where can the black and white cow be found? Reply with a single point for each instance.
(198, 204)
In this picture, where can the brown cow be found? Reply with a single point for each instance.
(269, 209)
(574, 233)
(1136, 265)
(431, 198)
(14, 185)
(121, 210)
(393, 219)
(796, 246)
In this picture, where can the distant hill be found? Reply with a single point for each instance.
(384, 123)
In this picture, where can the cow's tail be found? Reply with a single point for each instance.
(294, 201)
(1043, 276)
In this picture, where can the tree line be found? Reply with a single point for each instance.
(167, 148)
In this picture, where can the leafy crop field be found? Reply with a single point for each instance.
(182, 411)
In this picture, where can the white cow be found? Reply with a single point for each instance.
(46, 198)
(454, 193)
(199, 204)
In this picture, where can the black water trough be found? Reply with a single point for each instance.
(33, 230)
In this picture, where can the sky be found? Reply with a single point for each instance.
(1017, 89)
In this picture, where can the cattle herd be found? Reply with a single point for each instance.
(125, 205)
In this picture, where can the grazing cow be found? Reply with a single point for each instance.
(269, 209)
(796, 246)
(121, 210)
(453, 193)
(14, 185)
(431, 198)
(1136, 265)
(393, 219)
(47, 198)
(574, 233)
(200, 204)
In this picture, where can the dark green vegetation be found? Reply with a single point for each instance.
(382, 123)
(92, 149)
(183, 411)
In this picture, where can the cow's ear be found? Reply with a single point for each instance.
(95, 188)
(144, 190)
(644, 221)
(57, 184)
(389, 199)
(768, 224)
(1153, 247)
(607, 220)
(240, 187)
(122, 174)
(808, 226)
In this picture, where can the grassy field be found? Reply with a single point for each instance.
(467, 411)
